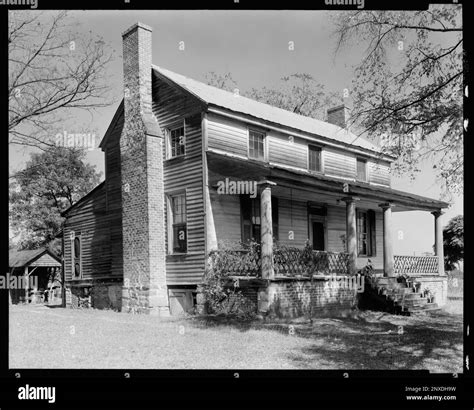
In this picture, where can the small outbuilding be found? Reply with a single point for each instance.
(35, 276)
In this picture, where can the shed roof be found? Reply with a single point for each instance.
(18, 258)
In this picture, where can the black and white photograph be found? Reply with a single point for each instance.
(237, 189)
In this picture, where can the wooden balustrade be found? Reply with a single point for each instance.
(416, 265)
(287, 261)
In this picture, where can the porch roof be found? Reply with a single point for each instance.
(247, 169)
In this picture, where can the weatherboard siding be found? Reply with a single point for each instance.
(89, 222)
(113, 196)
(184, 174)
(231, 136)
(378, 173)
(45, 260)
(293, 228)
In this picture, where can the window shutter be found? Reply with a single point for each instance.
(372, 231)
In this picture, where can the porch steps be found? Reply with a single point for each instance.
(397, 297)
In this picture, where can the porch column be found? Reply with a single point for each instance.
(351, 233)
(266, 229)
(26, 278)
(388, 261)
(439, 251)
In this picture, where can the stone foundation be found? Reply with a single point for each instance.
(94, 294)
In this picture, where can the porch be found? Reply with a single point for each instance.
(304, 262)
(301, 224)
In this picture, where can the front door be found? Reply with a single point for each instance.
(318, 236)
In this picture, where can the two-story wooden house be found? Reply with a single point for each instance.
(189, 166)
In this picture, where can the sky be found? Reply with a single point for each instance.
(254, 47)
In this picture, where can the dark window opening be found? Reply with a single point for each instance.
(366, 233)
(177, 142)
(251, 222)
(361, 170)
(179, 232)
(256, 145)
(314, 159)
(76, 257)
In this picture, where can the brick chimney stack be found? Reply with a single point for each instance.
(143, 209)
(338, 115)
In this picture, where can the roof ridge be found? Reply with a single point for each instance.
(268, 112)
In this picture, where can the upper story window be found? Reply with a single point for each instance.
(178, 221)
(256, 145)
(176, 142)
(361, 169)
(314, 159)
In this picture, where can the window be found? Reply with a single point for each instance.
(178, 222)
(314, 159)
(76, 257)
(361, 169)
(366, 233)
(256, 145)
(250, 211)
(176, 142)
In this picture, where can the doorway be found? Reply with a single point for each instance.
(318, 235)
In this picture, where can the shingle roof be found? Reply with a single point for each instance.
(18, 258)
(228, 100)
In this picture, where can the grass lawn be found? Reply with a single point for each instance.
(42, 337)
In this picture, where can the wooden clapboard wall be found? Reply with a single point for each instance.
(88, 220)
(293, 228)
(171, 106)
(98, 218)
(231, 136)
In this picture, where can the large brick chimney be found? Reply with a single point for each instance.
(141, 147)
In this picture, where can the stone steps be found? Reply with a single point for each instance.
(399, 297)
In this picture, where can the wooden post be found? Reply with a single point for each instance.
(26, 277)
(388, 261)
(351, 233)
(266, 229)
(439, 250)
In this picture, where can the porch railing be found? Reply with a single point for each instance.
(287, 261)
(416, 265)
(239, 262)
(296, 261)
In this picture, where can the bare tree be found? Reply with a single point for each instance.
(408, 87)
(53, 69)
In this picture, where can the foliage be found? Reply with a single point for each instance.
(52, 69)
(408, 87)
(298, 93)
(220, 289)
(453, 241)
(220, 297)
(52, 181)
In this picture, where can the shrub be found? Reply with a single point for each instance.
(220, 297)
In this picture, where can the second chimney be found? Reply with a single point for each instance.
(338, 115)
